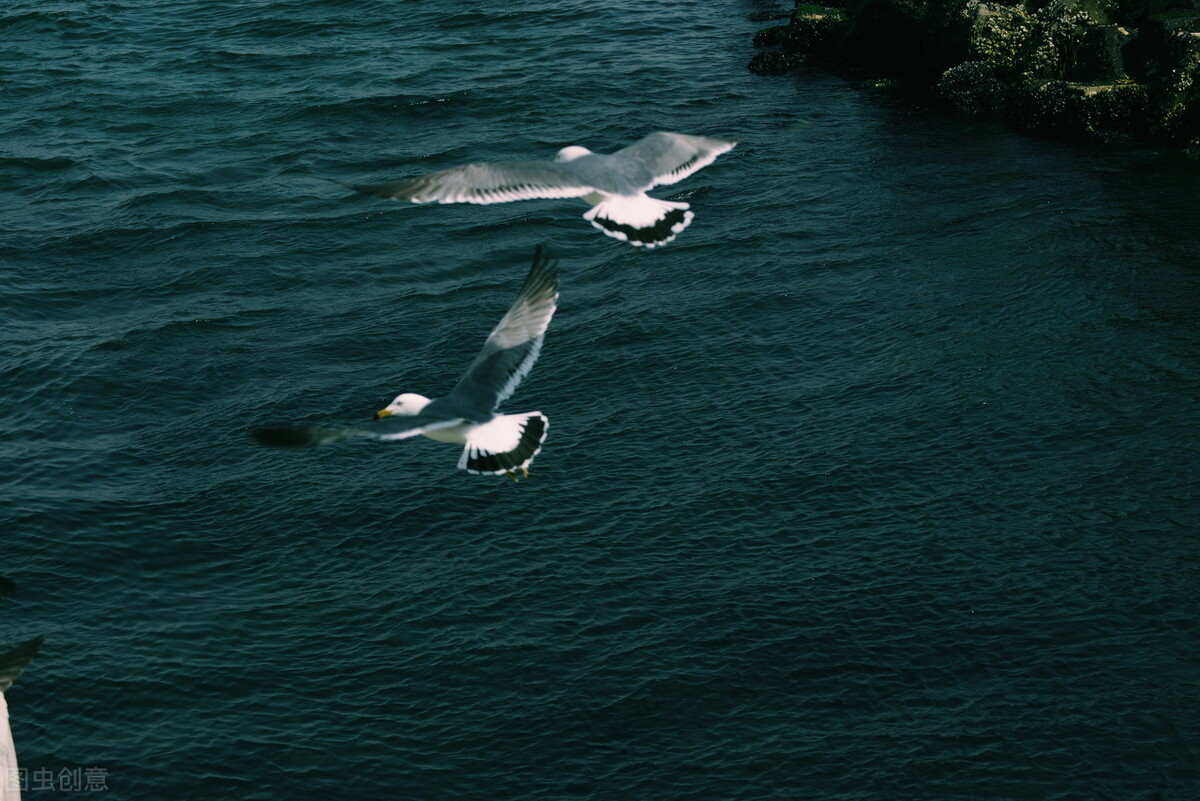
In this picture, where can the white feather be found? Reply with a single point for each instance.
(10, 788)
(501, 434)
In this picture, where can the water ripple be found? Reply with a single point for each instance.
(886, 462)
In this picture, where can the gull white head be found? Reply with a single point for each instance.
(571, 153)
(409, 403)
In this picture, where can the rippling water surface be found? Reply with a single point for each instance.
(878, 483)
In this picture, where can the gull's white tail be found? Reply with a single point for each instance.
(642, 221)
(506, 443)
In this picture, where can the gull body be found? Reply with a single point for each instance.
(613, 184)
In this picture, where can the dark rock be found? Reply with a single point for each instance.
(771, 63)
(817, 32)
(1180, 85)
(913, 40)
(1097, 54)
(1107, 71)
(1116, 114)
(771, 37)
(972, 88)
(1045, 107)
(769, 15)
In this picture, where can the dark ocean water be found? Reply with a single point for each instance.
(879, 483)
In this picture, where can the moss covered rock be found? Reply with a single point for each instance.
(1110, 71)
(974, 89)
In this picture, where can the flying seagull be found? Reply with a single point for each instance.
(495, 443)
(12, 662)
(614, 185)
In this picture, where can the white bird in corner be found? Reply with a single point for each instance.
(495, 444)
(12, 662)
(614, 185)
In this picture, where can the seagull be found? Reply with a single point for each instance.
(614, 185)
(12, 662)
(494, 443)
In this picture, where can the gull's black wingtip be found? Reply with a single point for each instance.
(7, 587)
(298, 436)
(393, 190)
(542, 263)
(282, 436)
(14, 660)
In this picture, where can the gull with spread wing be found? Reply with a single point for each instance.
(496, 444)
(614, 185)
(12, 663)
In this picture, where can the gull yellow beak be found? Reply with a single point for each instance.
(382, 413)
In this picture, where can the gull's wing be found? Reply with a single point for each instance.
(495, 182)
(515, 342)
(672, 157)
(387, 428)
(8, 757)
(12, 663)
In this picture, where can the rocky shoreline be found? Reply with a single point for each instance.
(1112, 72)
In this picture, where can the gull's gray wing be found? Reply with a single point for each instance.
(672, 157)
(495, 182)
(515, 342)
(387, 428)
(14, 660)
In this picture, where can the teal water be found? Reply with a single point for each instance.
(877, 483)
